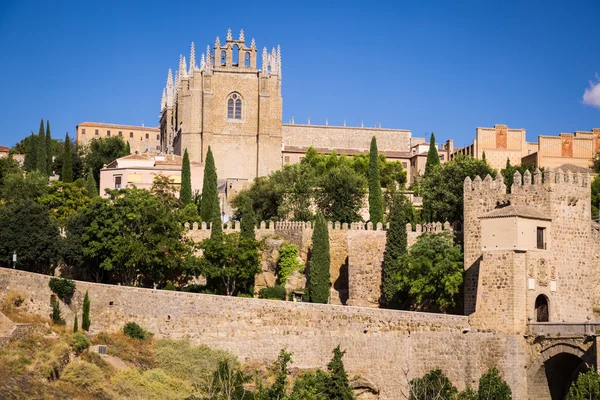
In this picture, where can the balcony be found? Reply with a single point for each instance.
(564, 329)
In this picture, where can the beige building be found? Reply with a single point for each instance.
(139, 170)
(4, 151)
(501, 143)
(141, 139)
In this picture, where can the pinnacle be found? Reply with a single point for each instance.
(253, 44)
(229, 37)
(242, 39)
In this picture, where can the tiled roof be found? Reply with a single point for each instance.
(516, 211)
(4, 149)
(116, 126)
(575, 169)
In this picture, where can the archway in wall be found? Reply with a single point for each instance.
(542, 309)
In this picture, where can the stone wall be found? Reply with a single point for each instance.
(388, 347)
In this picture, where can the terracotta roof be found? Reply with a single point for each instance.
(117, 126)
(575, 169)
(516, 211)
(4, 149)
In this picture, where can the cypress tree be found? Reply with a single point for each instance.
(216, 227)
(85, 318)
(338, 387)
(508, 163)
(248, 223)
(319, 264)
(395, 253)
(209, 206)
(41, 162)
(49, 149)
(433, 158)
(127, 148)
(90, 184)
(185, 192)
(30, 162)
(75, 325)
(67, 167)
(375, 196)
(483, 157)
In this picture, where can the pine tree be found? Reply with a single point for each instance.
(433, 158)
(375, 196)
(185, 192)
(67, 167)
(75, 325)
(41, 162)
(85, 318)
(394, 256)
(90, 184)
(209, 206)
(30, 161)
(319, 264)
(49, 150)
(338, 387)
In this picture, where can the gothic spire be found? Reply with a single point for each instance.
(208, 60)
(273, 61)
(217, 42)
(192, 59)
(170, 78)
(182, 67)
(253, 44)
(202, 62)
(265, 60)
(242, 35)
(229, 37)
(163, 100)
(279, 60)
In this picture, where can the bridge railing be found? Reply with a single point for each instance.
(563, 328)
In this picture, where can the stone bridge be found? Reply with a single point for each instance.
(558, 353)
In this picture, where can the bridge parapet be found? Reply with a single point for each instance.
(562, 329)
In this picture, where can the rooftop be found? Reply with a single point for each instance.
(117, 126)
(516, 211)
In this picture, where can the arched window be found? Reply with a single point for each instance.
(234, 106)
(247, 59)
(542, 312)
(235, 56)
(223, 57)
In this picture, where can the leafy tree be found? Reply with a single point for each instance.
(394, 257)
(26, 228)
(91, 185)
(85, 318)
(8, 166)
(185, 194)
(164, 190)
(227, 383)
(442, 189)
(230, 262)
(288, 262)
(586, 387)
(49, 149)
(296, 184)
(338, 387)
(433, 158)
(375, 195)
(67, 161)
(310, 386)
(319, 263)
(341, 194)
(41, 161)
(433, 385)
(210, 209)
(434, 273)
(18, 187)
(248, 223)
(103, 151)
(64, 200)
(467, 394)
(278, 390)
(493, 387)
(508, 173)
(595, 195)
(28, 146)
(264, 196)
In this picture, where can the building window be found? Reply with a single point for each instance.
(404, 165)
(147, 136)
(97, 133)
(157, 137)
(441, 157)
(286, 159)
(234, 106)
(83, 131)
(247, 59)
(118, 182)
(223, 57)
(130, 134)
(120, 133)
(541, 238)
(107, 133)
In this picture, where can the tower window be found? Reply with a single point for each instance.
(223, 58)
(130, 134)
(247, 59)
(234, 106)
(541, 238)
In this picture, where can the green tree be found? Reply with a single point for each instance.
(85, 318)
(164, 190)
(248, 222)
(288, 262)
(49, 150)
(28, 146)
(27, 229)
(75, 324)
(18, 187)
(310, 386)
(508, 173)
(90, 184)
(319, 263)
(265, 197)
(77, 167)
(341, 194)
(339, 387)
(230, 262)
(394, 257)
(434, 272)
(595, 195)
(493, 387)
(278, 390)
(127, 148)
(64, 200)
(185, 194)
(227, 383)
(433, 158)
(103, 151)
(56, 315)
(375, 195)
(41, 161)
(8, 166)
(210, 210)
(586, 387)
(483, 157)
(433, 385)
(67, 161)
(442, 189)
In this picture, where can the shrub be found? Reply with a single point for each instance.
(288, 262)
(196, 288)
(493, 387)
(433, 385)
(153, 384)
(587, 386)
(87, 377)
(79, 342)
(135, 331)
(169, 286)
(273, 293)
(56, 314)
(63, 288)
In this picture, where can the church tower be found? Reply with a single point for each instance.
(228, 103)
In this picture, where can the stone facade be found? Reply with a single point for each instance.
(141, 139)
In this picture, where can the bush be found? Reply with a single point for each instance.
(288, 262)
(169, 286)
(493, 387)
(273, 293)
(196, 288)
(79, 342)
(63, 288)
(433, 385)
(587, 386)
(135, 331)
(87, 377)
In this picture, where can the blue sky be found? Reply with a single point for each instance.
(442, 66)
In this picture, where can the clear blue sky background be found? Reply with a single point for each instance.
(442, 66)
